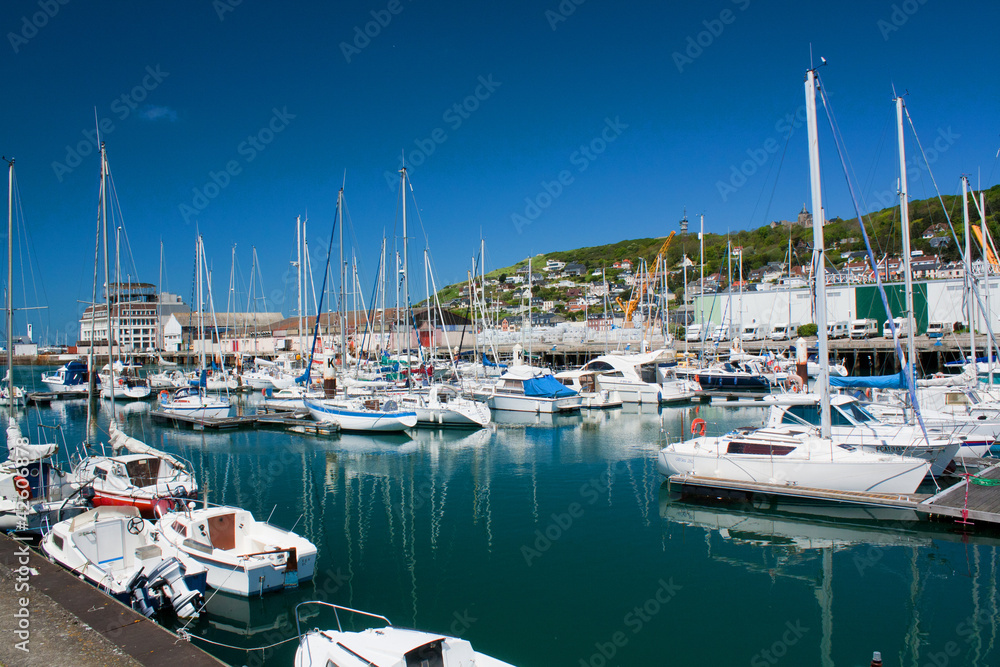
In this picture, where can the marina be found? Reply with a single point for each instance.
(536, 497)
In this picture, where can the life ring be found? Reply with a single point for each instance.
(868, 394)
(793, 383)
(164, 395)
(698, 427)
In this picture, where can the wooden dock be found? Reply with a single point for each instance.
(288, 421)
(45, 397)
(966, 501)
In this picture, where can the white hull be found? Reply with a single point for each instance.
(522, 403)
(354, 418)
(631, 392)
(900, 477)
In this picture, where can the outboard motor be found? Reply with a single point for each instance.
(169, 576)
(144, 601)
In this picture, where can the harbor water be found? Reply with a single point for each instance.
(552, 541)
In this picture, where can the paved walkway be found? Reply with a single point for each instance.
(72, 623)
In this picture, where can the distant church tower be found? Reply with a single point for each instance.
(684, 222)
(805, 218)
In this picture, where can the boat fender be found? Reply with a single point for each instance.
(23, 487)
(698, 427)
(868, 394)
(697, 379)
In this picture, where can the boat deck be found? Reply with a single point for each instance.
(964, 501)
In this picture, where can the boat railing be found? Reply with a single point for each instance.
(336, 608)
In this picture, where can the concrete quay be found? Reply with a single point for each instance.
(66, 621)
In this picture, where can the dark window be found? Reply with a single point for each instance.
(599, 366)
(759, 448)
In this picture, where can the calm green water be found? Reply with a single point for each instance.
(550, 542)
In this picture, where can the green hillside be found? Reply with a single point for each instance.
(770, 244)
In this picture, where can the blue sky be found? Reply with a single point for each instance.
(538, 126)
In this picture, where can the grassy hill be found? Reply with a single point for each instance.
(770, 244)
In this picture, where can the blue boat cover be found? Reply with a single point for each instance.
(200, 382)
(547, 387)
(897, 381)
(487, 362)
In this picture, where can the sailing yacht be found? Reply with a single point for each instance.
(799, 455)
(34, 491)
(146, 477)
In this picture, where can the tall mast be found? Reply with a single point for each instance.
(159, 285)
(107, 271)
(406, 281)
(819, 255)
(969, 278)
(701, 290)
(298, 278)
(10, 287)
(199, 252)
(904, 215)
(343, 278)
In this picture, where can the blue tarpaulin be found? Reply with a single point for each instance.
(897, 381)
(546, 387)
(201, 382)
(487, 362)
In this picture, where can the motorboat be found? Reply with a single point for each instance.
(585, 383)
(726, 376)
(170, 379)
(374, 414)
(523, 388)
(147, 478)
(443, 405)
(386, 645)
(70, 378)
(243, 556)
(113, 548)
(792, 456)
(633, 376)
(851, 423)
(34, 492)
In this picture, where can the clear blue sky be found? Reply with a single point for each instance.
(669, 97)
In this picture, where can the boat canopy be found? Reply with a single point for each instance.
(896, 381)
(487, 362)
(546, 386)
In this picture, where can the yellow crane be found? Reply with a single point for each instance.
(643, 281)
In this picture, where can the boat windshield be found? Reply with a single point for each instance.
(797, 414)
(859, 413)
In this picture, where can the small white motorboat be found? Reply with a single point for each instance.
(386, 646)
(243, 556)
(113, 549)
(70, 378)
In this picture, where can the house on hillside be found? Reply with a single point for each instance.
(575, 269)
(623, 264)
(939, 242)
(935, 230)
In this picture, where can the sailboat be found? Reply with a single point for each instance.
(194, 399)
(799, 455)
(9, 394)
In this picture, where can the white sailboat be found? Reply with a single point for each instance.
(799, 455)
